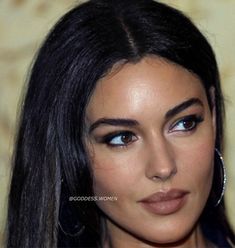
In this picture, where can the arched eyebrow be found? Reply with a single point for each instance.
(182, 106)
(131, 122)
(113, 122)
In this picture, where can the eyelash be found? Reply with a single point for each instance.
(107, 139)
(196, 119)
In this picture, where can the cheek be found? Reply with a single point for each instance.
(197, 160)
(109, 182)
(205, 168)
(115, 171)
(116, 176)
(113, 175)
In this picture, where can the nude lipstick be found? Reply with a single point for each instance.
(165, 202)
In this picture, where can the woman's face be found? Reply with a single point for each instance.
(151, 141)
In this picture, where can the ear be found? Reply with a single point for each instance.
(213, 110)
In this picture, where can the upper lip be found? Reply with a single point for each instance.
(165, 196)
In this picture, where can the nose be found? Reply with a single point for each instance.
(160, 164)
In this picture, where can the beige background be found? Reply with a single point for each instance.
(23, 25)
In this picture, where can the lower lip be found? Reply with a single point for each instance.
(165, 207)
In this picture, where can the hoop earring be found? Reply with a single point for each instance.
(78, 233)
(223, 170)
(64, 204)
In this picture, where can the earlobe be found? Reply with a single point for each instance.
(213, 108)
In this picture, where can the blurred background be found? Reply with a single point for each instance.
(23, 26)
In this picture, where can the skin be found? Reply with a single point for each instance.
(159, 154)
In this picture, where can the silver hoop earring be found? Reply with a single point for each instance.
(72, 234)
(224, 176)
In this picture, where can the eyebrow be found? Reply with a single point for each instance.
(131, 122)
(182, 106)
(113, 122)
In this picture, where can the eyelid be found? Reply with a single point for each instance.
(110, 136)
(194, 117)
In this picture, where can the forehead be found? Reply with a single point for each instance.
(151, 83)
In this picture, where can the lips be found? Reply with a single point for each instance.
(164, 203)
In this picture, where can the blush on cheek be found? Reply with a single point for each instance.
(102, 187)
(103, 183)
(206, 165)
(205, 177)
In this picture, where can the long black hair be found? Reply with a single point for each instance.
(50, 161)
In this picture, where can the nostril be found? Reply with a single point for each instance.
(160, 163)
(165, 175)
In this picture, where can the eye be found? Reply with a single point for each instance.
(123, 138)
(187, 123)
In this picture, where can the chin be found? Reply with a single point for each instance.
(172, 236)
(171, 240)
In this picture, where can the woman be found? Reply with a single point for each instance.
(123, 102)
